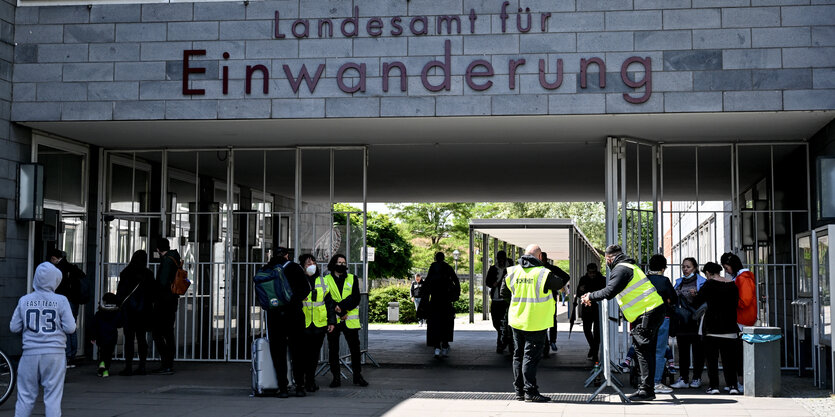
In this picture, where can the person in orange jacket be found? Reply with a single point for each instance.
(746, 308)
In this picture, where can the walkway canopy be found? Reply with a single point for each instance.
(560, 238)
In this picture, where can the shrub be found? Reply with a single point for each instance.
(379, 299)
(463, 303)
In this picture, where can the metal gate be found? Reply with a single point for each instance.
(223, 210)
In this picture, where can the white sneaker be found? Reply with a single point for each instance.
(680, 384)
(713, 391)
(662, 389)
(739, 387)
(696, 383)
(437, 353)
(733, 391)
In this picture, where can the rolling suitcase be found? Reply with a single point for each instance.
(264, 380)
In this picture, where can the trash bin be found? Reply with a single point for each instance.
(761, 363)
(394, 312)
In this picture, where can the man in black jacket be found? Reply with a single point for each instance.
(286, 324)
(592, 281)
(165, 307)
(645, 325)
(657, 266)
(552, 332)
(498, 306)
(346, 309)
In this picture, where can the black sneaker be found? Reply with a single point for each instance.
(360, 381)
(300, 392)
(282, 394)
(641, 395)
(520, 396)
(311, 387)
(335, 383)
(536, 398)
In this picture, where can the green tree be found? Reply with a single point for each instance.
(393, 256)
(434, 221)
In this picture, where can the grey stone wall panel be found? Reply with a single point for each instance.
(548, 43)
(141, 32)
(722, 80)
(123, 90)
(662, 4)
(748, 17)
(88, 71)
(298, 109)
(137, 71)
(517, 105)
(116, 52)
(320, 48)
(663, 40)
(62, 52)
(605, 41)
(407, 106)
(536, 6)
(37, 73)
(61, 91)
(115, 13)
(809, 57)
(751, 58)
(753, 101)
(193, 31)
(584, 5)
(87, 33)
(490, 44)
(808, 15)
(782, 79)
(823, 78)
(577, 104)
(352, 107)
(220, 11)
(434, 45)
(529, 84)
(259, 10)
(389, 47)
(26, 15)
(780, 37)
(332, 65)
(692, 102)
(616, 104)
(24, 92)
(809, 99)
(720, 3)
(215, 49)
(462, 106)
(634, 20)
(692, 19)
(501, 63)
(434, 7)
(167, 12)
(139, 110)
(160, 90)
(721, 38)
(89, 110)
(822, 36)
(39, 34)
(63, 14)
(756, 3)
(692, 60)
(244, 109)
(190, 109)
(23, 112)
(26, 54)
(163, 51)
(245, 30)
(576, 22)
(672, 81)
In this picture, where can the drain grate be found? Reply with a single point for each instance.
(503, 396)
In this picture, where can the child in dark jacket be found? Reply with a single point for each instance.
(106, 325)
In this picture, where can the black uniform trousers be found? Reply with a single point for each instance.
(286, 334)
(526, 357)
(313, 339)
(591, 329)
(686, 344)
(352, 337)
(165, 315)
(714, 346)
(645, 339)
(498, 311)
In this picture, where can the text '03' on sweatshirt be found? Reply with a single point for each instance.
(43, 317)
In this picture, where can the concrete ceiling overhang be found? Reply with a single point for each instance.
(552, 235)
(490, 158)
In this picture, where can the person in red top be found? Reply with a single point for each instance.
(746, 308)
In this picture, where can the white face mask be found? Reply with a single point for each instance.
(690, 276)
(311, 270)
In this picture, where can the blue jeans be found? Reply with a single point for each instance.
(72, 339)
(661, 349)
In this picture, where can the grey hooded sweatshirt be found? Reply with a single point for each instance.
(44, 317)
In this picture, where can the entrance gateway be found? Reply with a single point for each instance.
(722, 155)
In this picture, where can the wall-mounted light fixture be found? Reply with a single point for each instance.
(30, 192)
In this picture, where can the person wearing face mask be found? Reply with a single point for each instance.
(687, 336)
(641, 305)
(531, 291)
(746, 310)
(592, 281)
(344, 290)
(498, 306)
(319, 319)
(439, 291)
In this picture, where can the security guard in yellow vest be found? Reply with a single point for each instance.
(344, 289)
(319, 317)
(530, 289)
(641, 305)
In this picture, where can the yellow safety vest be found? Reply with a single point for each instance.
(353, 319)
(315, 311)
(531, 307)
(639, 296)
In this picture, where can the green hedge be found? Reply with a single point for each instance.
(379, 299)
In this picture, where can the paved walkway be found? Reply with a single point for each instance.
(473, 381)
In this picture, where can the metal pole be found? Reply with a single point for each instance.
(472, 278)
(485, 260)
